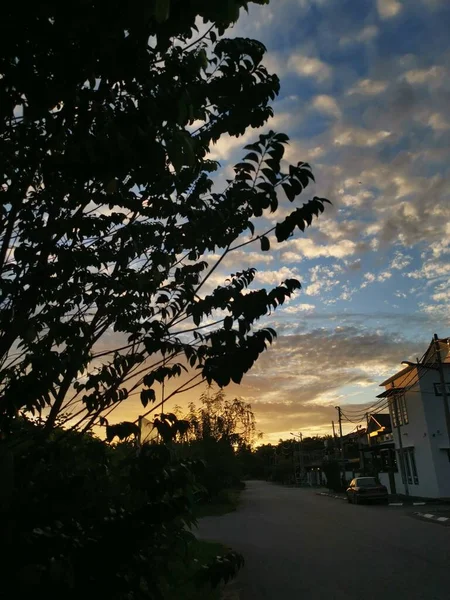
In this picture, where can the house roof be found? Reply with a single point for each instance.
(355, 434)
(444, 351)
(391, 392)
(399, 374)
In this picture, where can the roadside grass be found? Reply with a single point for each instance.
(184, 572)
(225, 502)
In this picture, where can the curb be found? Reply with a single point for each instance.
(390, 503)
(331, 496)
(407, 504)
(434, 518)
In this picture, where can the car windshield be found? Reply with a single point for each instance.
(366, 482)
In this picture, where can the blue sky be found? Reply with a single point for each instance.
(365, 98)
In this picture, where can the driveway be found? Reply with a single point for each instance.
(300, 545)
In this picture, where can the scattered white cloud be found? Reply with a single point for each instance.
(307, 66)
(275, 277)
(307, 247)
(400, 261)
(438, 122)
(368, 87)
(431, 75)
(296, 151)
(367, 34)
(371, 278)
(389, 8)
(323, 279)
(227, 144)
(355, 136)
(299, 308)
(326, 104)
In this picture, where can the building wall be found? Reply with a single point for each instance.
(415, 435)
(426, 432)
(384, 480)
(437, 429)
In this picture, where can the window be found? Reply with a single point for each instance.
(438, 389)
(400, 410)
(412, 460)
(366, 482)
(401, 460)
(408, 466)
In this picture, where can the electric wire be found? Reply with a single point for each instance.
(383, 403)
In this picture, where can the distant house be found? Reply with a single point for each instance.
(420, 425)
(379, 453)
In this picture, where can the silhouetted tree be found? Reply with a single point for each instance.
(107, 114)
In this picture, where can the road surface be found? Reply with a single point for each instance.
(300, 545)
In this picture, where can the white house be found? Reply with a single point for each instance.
(421, 424)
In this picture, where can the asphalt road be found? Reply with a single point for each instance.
(300, 545)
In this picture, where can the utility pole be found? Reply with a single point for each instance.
(443, 384)
(362, 458)
(341, 442)
(300, 456)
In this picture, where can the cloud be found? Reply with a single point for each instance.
(275, 277)
(228, 144)
(400, 261)
(388, 8)
(298, 382)
(438, 122)
(432, 75)
(307, 66)
(306, 247)
(367, 34)
(371, 278)
(323, 279)
(326, 104)
(299, 308)
(368, 87)
(355, 136)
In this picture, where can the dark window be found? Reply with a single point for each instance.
(366, 482)
(407, 465)
(401, 460)
(438, 389)
(412, 460)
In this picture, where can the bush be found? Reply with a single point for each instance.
(85, 519)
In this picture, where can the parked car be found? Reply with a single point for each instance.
(366, 489)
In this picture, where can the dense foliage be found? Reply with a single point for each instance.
(90, 520)
(219, 431)
(108, 222)
(107, 113)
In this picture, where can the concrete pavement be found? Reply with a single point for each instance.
(300, 545)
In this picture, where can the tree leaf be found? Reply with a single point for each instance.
(147, 396)
(265, 243)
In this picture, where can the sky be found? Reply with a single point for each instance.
(365, 99)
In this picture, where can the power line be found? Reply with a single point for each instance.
(383, 402)
(413, 379)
